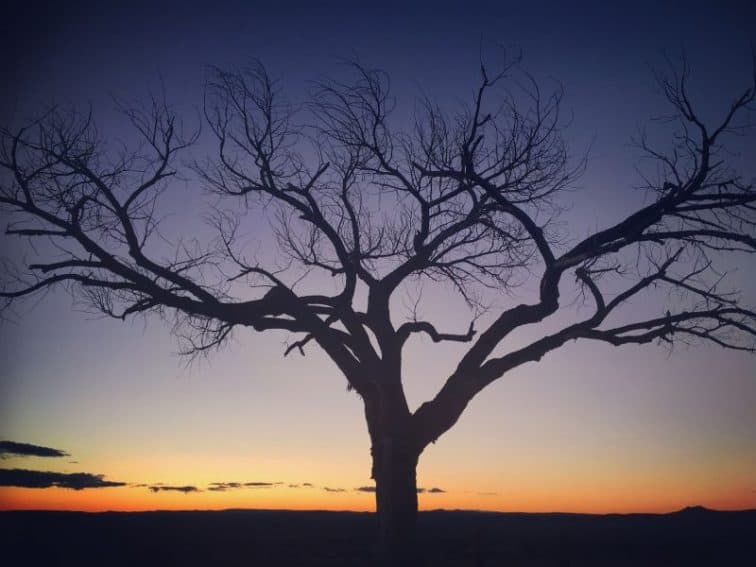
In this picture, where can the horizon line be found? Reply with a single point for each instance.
(692, 508)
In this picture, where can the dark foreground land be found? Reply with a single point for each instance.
(251, 537)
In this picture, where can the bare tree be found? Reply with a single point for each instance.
(466, 197)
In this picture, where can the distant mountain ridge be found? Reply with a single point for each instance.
(696, 510)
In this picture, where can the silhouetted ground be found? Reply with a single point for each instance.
(251, 537)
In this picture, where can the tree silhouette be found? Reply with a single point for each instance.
(468, 198)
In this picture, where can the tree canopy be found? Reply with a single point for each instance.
(469, 197)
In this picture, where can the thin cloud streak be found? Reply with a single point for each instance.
(433, 490)
(186, 489)
(24, 478)
(223, 486)
(8, 448)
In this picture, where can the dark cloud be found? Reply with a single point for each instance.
(164, 487)
(487, 493)
(8, 448)
(222, 486)
(307, 484)
(329, 489)
(46, 479)
(433, 490)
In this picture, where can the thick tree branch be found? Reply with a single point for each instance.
(406, 329)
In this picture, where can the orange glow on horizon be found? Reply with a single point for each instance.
(133, 499)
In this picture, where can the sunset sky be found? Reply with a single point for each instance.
(590, 428)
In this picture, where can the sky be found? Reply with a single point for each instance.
(590, 428)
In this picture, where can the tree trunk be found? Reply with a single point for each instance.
(394, 469)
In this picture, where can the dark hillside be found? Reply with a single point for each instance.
(250, 537)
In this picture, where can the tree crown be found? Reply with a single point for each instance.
(468, 198)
